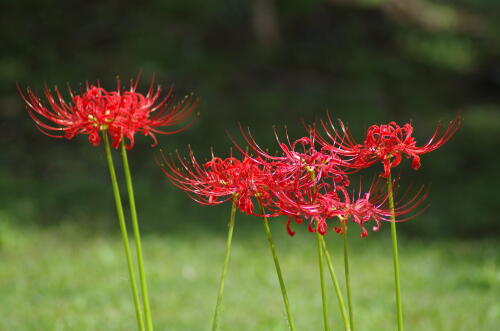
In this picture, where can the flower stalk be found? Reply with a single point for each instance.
(123, 228)
(347, 272)
(336, 285)
(322, 282)
(215, 324)
(137, 238)
(278, 269)
(397, 282)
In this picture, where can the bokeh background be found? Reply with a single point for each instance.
(259, 63)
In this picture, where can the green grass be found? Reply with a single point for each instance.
(68, 277)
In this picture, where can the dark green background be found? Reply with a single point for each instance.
(259, 63)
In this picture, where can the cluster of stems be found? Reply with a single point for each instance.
(143, 309)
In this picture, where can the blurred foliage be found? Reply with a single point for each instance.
(259, 63)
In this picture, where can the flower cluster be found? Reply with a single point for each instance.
(386, 143)
(309, 179)
(121, 113)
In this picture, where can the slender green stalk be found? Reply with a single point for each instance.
(399, 303)
(322, 281)
(319, 238)
(137, 237)
(215, 324)
(346, 270)
(278, 269)
(340, 298)
(123, 228)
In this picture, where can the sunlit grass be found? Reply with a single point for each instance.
(70, 278)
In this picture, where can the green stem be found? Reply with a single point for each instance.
(340, 299)
(224, 268)
(322, 281)
(278, 269)
(346, 270)
(399, 303)
(123, 228)
(137, 237)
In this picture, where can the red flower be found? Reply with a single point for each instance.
(371, 206)
(386, 143)
(121, 113)
(201, 182)
(337, 203)
(89, 113)
(147, 113)
(220, 180)
(300, 159)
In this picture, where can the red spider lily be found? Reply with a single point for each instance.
(370, 206)
(89, 113)
(386, 143)
(95, 110)
(220, 180)
(146, 113)
(203, 185)
(300, 159)
(298, 208)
